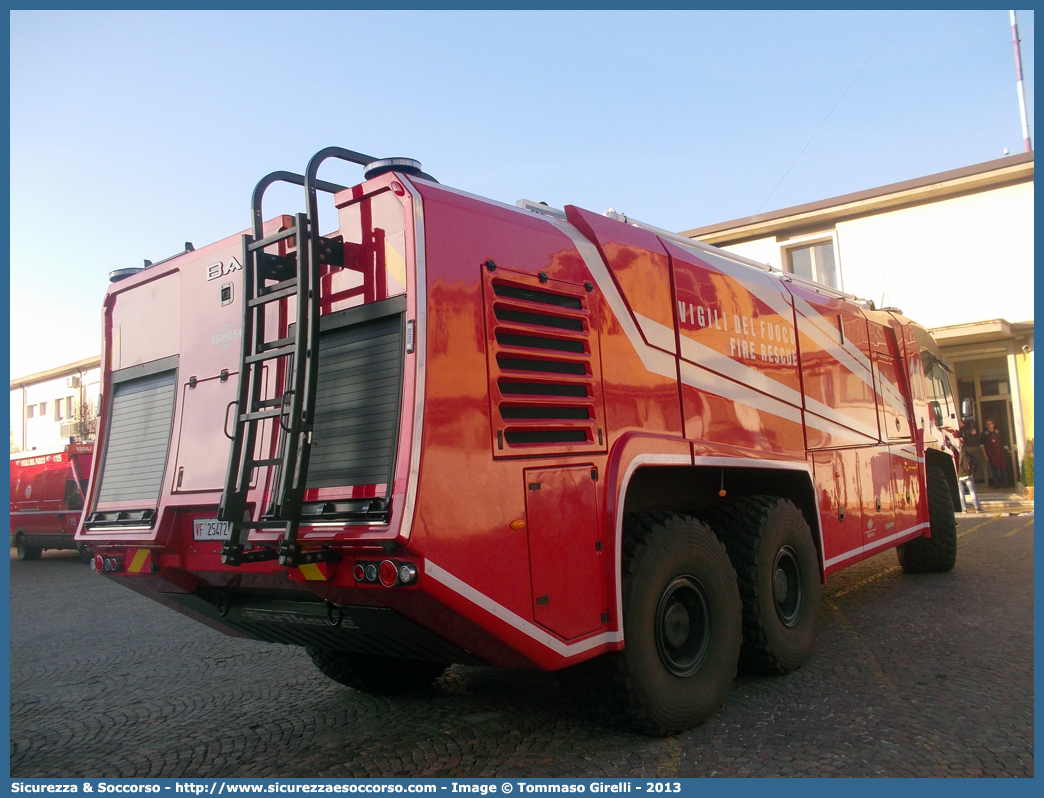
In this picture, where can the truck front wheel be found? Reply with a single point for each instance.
(25, 551)
(378, 675)
(938, 553)
(771, 547)
(681, 622)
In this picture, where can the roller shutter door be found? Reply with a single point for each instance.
(138, 440)
(358, 397)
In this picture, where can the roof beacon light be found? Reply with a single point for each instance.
(408, 166)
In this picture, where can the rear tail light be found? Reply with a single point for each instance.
(389, 573)
(104, 564)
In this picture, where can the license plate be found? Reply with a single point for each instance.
(210, 529)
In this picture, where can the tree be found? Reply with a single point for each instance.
(85, 419)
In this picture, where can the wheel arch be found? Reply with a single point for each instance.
(693, 489)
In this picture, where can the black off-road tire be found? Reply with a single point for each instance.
(681, 625)
(377, 675)
(768, 539)
(937, 554)
(85, 554)
(25, 551)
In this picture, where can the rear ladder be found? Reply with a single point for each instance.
(270, 278)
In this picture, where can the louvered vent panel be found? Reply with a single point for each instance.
(545, 391)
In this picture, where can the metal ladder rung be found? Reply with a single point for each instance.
(268, 346)
(279, 401)
(270, 461)
(270, 354)
(265, 290)
(272, 296)
(260, 414)
(275, 238)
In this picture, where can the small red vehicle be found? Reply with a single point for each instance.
(47, 490)
(458, 431)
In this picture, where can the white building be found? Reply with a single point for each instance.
(44, 406)
(953, 250)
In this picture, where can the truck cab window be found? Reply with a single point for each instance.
(937, 381)
(73, 499)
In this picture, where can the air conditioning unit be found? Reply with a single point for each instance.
(73, 381)
(67, 430)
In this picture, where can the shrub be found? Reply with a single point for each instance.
(1027, 471)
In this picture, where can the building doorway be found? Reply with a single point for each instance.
(986, 383)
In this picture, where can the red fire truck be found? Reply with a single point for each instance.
(47, 490)
(458, 431)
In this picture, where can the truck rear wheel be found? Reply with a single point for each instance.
(25, 551)
(938, 553)
(378, 675)
(85, 554)
(775, 558)
(681, 623)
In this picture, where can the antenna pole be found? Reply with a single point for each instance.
(1018, 73)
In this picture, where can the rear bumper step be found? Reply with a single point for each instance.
(306, 621)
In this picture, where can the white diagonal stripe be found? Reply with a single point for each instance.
(723, 364)
(531, 630)
(708, 381)
(657, 334)
(655, 360)
(839, 417)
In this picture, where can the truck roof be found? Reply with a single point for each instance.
(68, 448)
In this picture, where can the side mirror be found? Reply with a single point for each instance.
(966, 408)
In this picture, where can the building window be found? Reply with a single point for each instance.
(57, 409)
(814, 262)
(43, 409)
(30, 411)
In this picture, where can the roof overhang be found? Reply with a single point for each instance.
(68, 369)
(980, 332)
(824, 214)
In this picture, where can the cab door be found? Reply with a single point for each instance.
(837, 475)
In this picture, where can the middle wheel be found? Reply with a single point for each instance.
(771, 547)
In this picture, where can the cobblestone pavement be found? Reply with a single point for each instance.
(911, 676)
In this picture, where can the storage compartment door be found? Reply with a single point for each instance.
(564, 558)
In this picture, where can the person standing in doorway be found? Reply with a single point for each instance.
(996, 453)
(971, 440)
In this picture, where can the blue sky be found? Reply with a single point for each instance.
(132, 133)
